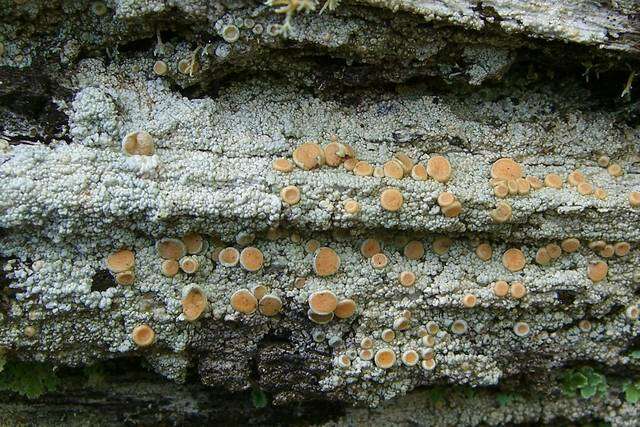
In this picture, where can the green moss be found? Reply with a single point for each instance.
(95, 375)
(436, 394)
(29, 379)
(635, 354)
(585, 381)
(505, 399)
(259, 398)
(631, 391)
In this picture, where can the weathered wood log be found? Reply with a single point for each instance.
(344, 208)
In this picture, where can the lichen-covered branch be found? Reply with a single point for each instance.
(394, 200)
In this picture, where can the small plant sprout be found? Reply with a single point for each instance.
(290, 194)
(194, 302)
(143, 336)
(270, 305)
(330, 5)
(323, 302)
(290, 8)
(345, 308)
(122, 260)
(484, 251)
(259, 398)
(138, 144)
(168, 248)
(385, 358)
(326, 262)
(439, 168)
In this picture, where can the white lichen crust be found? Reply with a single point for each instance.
(419, 305)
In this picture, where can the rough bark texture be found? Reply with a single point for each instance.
(548, 83)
